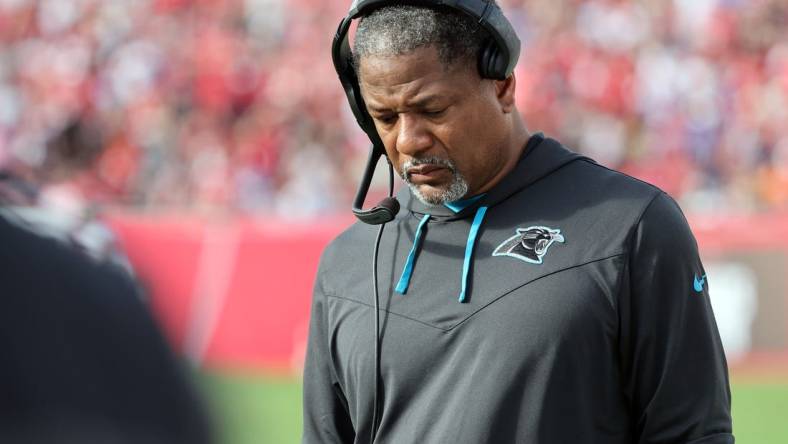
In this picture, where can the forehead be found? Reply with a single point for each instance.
(416, 73)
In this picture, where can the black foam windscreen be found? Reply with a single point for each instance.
(385, 211)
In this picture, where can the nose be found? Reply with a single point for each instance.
(412, 137)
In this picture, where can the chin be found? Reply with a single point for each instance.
(439, 194)
(434, 196)
(426, 194)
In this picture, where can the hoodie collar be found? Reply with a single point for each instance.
(459, 205)
(541, 156)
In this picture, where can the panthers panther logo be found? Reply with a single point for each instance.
(529, 244)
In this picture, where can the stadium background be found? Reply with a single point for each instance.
(206, 145)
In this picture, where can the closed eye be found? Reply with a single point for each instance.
(386, 119)
(435, 113)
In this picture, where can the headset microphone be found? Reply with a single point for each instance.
(386, 210)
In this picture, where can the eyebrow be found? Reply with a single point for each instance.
(425, 100)
(420, 103)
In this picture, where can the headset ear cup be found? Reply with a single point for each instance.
(491, 65)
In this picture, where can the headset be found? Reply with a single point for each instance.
(497, 58)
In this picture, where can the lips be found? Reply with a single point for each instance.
(424, 169)
(423, 174)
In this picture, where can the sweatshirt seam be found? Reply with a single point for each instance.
(386, 311)
(472, 314)
(532, 281)
(649, 185)
(631, 235)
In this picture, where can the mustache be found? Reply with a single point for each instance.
(432, 160)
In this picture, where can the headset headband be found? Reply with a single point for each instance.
(496, 60)
(485, 12)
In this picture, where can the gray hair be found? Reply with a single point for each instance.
(400, 29)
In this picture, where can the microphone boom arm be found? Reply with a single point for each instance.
(387, 209)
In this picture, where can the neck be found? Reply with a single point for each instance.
(518, 138)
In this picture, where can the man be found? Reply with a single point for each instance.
(528, 294)
(83, 361)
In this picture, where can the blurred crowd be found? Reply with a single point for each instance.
(234, 104)
(691, 95)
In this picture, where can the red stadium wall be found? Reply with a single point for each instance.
(230, 293)
(235, 292)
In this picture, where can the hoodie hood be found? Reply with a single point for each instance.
(541, 156)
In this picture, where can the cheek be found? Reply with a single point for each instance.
(473, 149)
(394, 158)
(466, 144)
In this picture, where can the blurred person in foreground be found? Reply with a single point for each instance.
(50, 197)
(83, 360)
(583, 312)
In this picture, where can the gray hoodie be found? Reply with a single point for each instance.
(566, 305)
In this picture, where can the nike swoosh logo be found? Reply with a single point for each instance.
(699, 283)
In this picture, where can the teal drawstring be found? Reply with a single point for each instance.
(466, 266)
(459, 205)
(404, 280)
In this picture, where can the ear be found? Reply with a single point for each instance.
(504, 91)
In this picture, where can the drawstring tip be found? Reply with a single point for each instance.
(466, 266)
(404, 280)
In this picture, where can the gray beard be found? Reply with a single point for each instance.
(455, 191)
